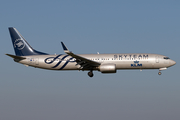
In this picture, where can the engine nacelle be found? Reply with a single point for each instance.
(107, 68)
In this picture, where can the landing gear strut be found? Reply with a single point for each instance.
(90, 74)
(159, 73)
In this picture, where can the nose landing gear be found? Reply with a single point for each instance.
(159, 73)
(90, 74)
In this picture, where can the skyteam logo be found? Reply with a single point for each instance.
(59, 60)
(19, 44)
(136, 64)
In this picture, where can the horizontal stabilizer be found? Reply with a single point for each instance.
(16, 57)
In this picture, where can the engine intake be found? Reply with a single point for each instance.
(107, 68)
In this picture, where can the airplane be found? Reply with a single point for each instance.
(105, 63)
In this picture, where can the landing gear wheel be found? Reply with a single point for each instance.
(159, 73)
(90, 74)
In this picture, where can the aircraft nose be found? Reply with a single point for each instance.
(173, 62)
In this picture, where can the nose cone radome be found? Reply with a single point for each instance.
(173, 62)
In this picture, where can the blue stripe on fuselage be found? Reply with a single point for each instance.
(60, 61)
(65, 64)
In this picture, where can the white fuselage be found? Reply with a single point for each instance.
(105, 63)
(122, 61)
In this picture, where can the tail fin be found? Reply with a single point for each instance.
(21, 46)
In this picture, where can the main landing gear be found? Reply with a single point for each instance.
(90, 74)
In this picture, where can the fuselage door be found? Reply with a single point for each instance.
(157, 59)
(36, 61)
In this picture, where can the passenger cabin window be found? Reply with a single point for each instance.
(166, 58)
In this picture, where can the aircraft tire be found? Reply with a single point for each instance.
(159, 73)
(90, 74)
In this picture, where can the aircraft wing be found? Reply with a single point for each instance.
(84, 62)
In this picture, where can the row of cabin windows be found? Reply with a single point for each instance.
(100, 59)
(105, 59)
(60, 60)
(119, 59)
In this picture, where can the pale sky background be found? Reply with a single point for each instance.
(104, 26)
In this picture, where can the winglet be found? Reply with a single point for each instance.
(65, 48)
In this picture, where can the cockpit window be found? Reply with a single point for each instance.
(166, 58)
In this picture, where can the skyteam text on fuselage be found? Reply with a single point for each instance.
(105, 63)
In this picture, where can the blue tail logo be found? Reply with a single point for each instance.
(21, 46)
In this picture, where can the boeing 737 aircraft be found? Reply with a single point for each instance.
(105, 63)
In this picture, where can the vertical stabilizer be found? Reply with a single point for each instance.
(21, 46)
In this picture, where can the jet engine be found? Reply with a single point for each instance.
(107, 68)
